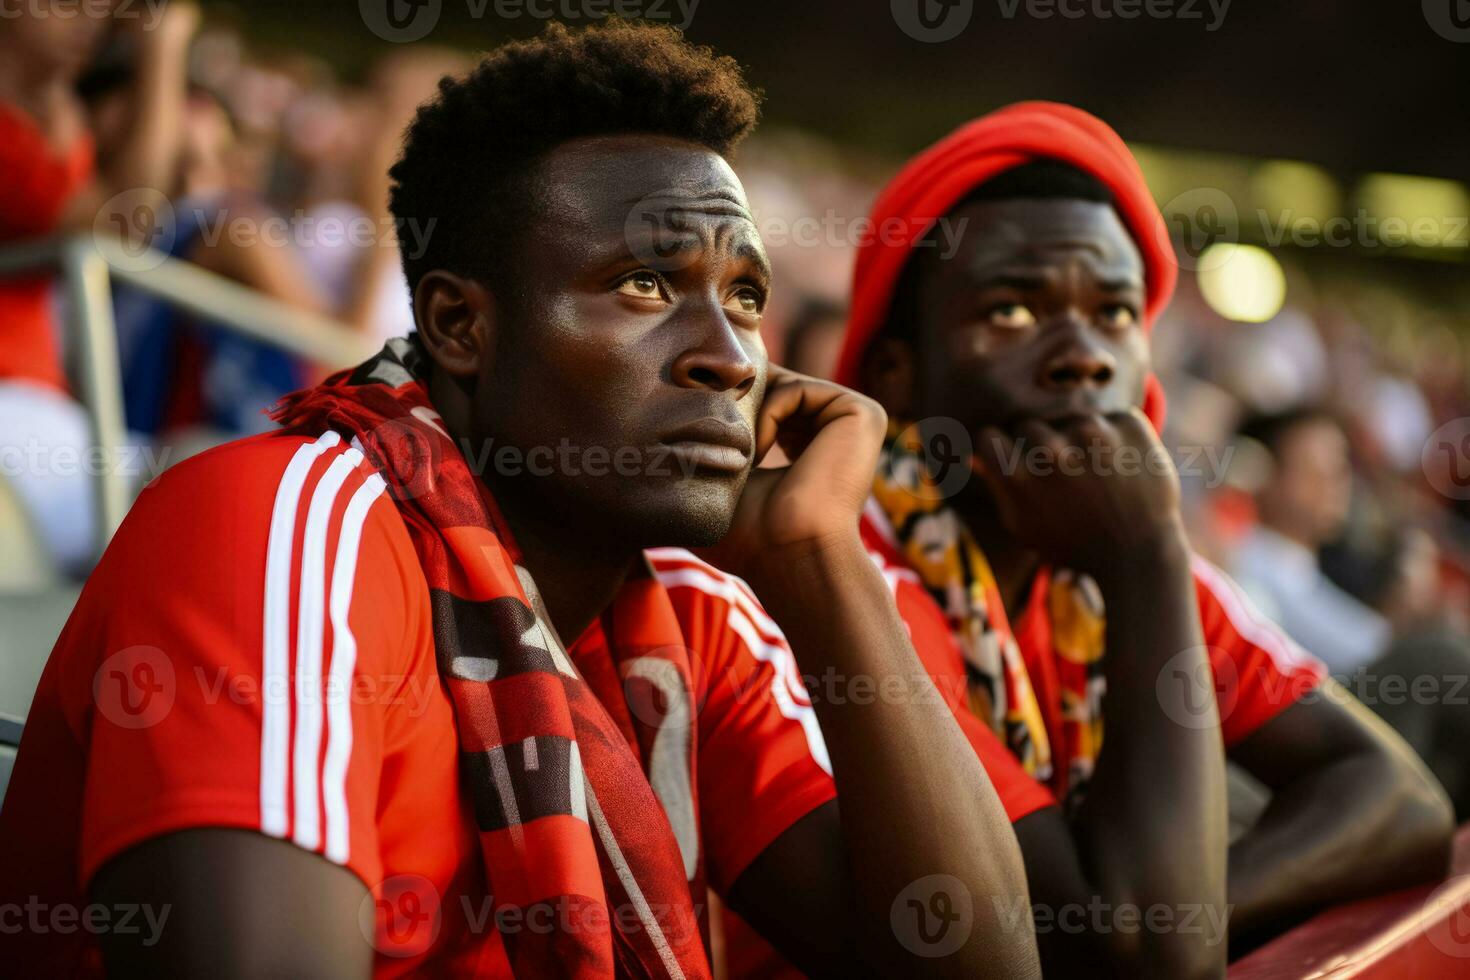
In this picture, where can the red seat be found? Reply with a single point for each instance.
(1407, 935)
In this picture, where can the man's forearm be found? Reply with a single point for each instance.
(1152, 829)
(1362, 825)
(914, 799)
(158, 95)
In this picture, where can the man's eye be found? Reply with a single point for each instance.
(643, 284)
(1012, 316)
(1118, 316)
(747, 301)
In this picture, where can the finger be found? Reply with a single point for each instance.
(1137, 429)
(775, 406)
(779, 374)
(802, 406)
(1097, 438)
(1134, 426)
(1035, 432)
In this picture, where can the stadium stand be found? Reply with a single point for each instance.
(35, 600)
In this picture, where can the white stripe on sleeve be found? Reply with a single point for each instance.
(276, 637)
(344, 661)
(310, 626)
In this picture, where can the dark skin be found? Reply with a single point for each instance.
(1031, 336)
(634, 357)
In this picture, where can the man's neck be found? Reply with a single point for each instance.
(577, 574)
(577, 571)
(1013, 565)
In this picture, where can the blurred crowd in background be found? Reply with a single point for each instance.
(1325, 452)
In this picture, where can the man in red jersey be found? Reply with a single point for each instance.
(1023, 487)
(314, 710)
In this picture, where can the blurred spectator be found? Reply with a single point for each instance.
(51, 182)
(1303, 505)
(1379, 621)
(814, 338)
(176, 377)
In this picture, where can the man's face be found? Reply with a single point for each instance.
(1037, 314)
(634, 336)
(1311, 487)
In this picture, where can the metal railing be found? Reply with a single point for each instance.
(87, 266)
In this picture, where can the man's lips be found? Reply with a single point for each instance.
(1068, 411)
(712, 444)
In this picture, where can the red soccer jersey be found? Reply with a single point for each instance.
(1259, 671)
(256, 599)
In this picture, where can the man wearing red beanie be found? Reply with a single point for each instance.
(1020, 356)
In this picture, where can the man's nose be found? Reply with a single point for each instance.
(1081, 361)
(719, 361)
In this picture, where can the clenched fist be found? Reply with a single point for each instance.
(833, 436)
(1088, 493)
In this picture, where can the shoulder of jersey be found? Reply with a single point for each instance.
(690, 579)
(275, 483)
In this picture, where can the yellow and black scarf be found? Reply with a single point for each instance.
(1063, 648)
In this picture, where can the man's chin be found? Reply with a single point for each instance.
(693, 530)
(1058, 416)
(691, 520)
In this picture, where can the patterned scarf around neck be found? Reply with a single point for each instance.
(566, 813)
(940, 548)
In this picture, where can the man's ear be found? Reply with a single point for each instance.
(888, 376)
(455, 317)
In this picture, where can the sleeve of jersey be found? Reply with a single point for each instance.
(939, 653)
(1259, 670)
(762, 764)
(246, 625)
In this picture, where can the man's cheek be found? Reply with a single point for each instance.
(979, 396)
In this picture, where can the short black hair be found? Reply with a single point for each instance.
(1045, 179)
(1037, 180)
(468, 151)
(1271, 429)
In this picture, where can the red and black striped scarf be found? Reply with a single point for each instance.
(567, 816)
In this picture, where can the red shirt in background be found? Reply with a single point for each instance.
(38, 184)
